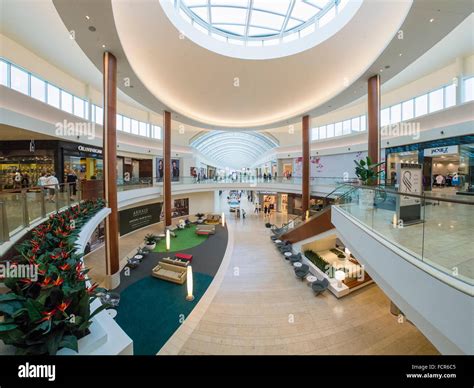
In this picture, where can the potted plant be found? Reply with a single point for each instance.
(150, 241)
(367, 172)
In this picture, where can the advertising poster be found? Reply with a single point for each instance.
(175, 173)
(410, 182)
(139, 217)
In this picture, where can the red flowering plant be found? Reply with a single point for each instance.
(51, 310)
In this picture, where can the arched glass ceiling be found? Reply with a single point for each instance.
(233, 149)
(257, 20)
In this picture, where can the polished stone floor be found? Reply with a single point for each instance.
(261, 308)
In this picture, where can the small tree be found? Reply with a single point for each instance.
(367, 172)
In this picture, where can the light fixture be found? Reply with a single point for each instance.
(340, 276)
(87, 17)
(168, 240)
(347, 251)
(189, 283)
(223, 219)
(431, 20)
(103, 46)
(400, 54)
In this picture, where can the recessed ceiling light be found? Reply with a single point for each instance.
(400, 54)
(431, 20)
(103, 46)
(381, 70)
(87, 17)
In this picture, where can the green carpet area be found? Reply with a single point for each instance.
(150, 310)
(185, 238)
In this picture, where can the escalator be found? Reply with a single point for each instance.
(320, 217)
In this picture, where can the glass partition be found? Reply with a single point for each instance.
(440, 235)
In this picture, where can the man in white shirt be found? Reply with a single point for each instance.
(52, 183)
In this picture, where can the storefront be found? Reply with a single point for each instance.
(448, 164)
(33, 158)
(133, 170)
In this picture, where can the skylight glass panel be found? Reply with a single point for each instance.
(407, 110)
(256, 31)
(53, 96)
(266, 19)
(3, 73)
(202, 12)
(66, 101)
(233, 29)
(450, 96)
(436, 100)
(280, 6)
(19, 80)
(79, 104)
(327, 17)
(191, 3)
(303, 11)
(242, 17)
(330, 130)
(338, 129)
(221, 15)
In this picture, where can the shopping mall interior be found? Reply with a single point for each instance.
(238, 177)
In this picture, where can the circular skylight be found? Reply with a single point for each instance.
(258, 22)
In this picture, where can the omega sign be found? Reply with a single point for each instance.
(89, 149)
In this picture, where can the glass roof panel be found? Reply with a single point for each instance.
(240, 19)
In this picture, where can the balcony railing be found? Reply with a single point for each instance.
(441, 235)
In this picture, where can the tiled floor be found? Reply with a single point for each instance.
(261, 308)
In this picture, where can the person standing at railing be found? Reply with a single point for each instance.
(71, 180)
(25, 180)
(52, 184)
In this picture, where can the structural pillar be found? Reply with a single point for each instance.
(373, 118)
(305, 172)
(167, 167)
(110, 170)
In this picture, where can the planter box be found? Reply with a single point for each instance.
(90, 343)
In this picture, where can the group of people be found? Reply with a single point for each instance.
(21, 180)
(49, 183)
(267, 209)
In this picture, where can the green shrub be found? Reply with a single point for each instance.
(50, 311)
(319, 262)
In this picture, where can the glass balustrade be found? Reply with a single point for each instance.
(439, 233)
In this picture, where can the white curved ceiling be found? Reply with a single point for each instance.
(235, 93)
(233, 149)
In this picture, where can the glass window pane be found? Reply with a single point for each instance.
(119, 122)
(66, 101)
(407, 110)
(314, 133)
(322, 132)
(469, 89)
(330, 130)
(143, 128)
(53, 96)
(19, 80)
(449, 96)
(338, 129)
(385, 117)
(79, 107)
(395, 114)
(363, 123)
(99, 115)
(38, 89)
(436, 100)
(157, 132)
(135, 127)
(346, 127)
(421, 105)
(3, 73)
(127, 125)
(355, 124)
